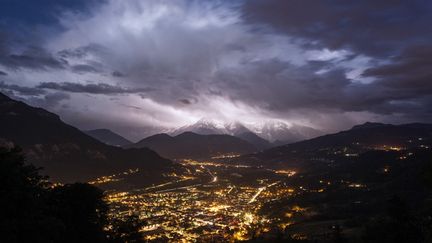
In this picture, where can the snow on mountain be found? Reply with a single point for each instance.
(236, 128)
(283, 132)
(269, 130)
(203, 127)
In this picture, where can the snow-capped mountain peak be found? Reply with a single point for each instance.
(273, 130)
(204, 127)
(235, 128)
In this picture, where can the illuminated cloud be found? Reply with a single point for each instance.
(168, 63)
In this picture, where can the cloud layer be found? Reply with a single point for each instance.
(327, 64)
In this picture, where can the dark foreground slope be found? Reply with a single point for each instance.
(358, 185)
(192, 145)
(66, 153)
(360, 138)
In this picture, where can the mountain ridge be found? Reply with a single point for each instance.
(368, 135)
(66, 153)
(270, 131)
(108, 137)
(192, 145)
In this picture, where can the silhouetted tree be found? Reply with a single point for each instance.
(126, 230)
(82, 210)
(32, 211)
(427, 174)
(397, 226)
(337, 234)
(23, 216)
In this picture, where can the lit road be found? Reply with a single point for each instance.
(261, 189)
(225, 199)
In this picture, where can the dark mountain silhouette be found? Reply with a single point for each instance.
(369, 125)
(257, 141)
(368, 135)
(108, 137)
(378, 174)
(66, 153)
(192, 145)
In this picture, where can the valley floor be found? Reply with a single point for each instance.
(210, 201)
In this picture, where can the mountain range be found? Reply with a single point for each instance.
(262, 135)
(66, 153)
(365, 137)
(337, 177)
(108, 137)
(192, 145)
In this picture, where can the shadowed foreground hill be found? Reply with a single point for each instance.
(367, 184)
(192, 145)
(359, 138)
(66, 153)
(33, 210)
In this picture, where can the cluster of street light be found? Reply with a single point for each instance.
(204, 205)
(213, 201)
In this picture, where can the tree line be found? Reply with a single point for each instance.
(34, 210)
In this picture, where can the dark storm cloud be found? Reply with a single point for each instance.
(292, 60)
(32, 58)
(118, 74)
(282, 88)
(185, 101)
(188, 101)
(412, 68)
(131, 106)
(3, 73)
(33, 61)
(393, 31)
(48, 101)
(405, 83)
(83, 51)
(38, 58)
(376, 28)
(29, 12)
(84, 68)
(99, 88)
(83, 55)
(409, 75)
(55, 98)
(33, 96)
(26, 91)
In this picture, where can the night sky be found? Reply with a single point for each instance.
(133, 64)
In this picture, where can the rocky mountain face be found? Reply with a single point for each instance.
(66, 153)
